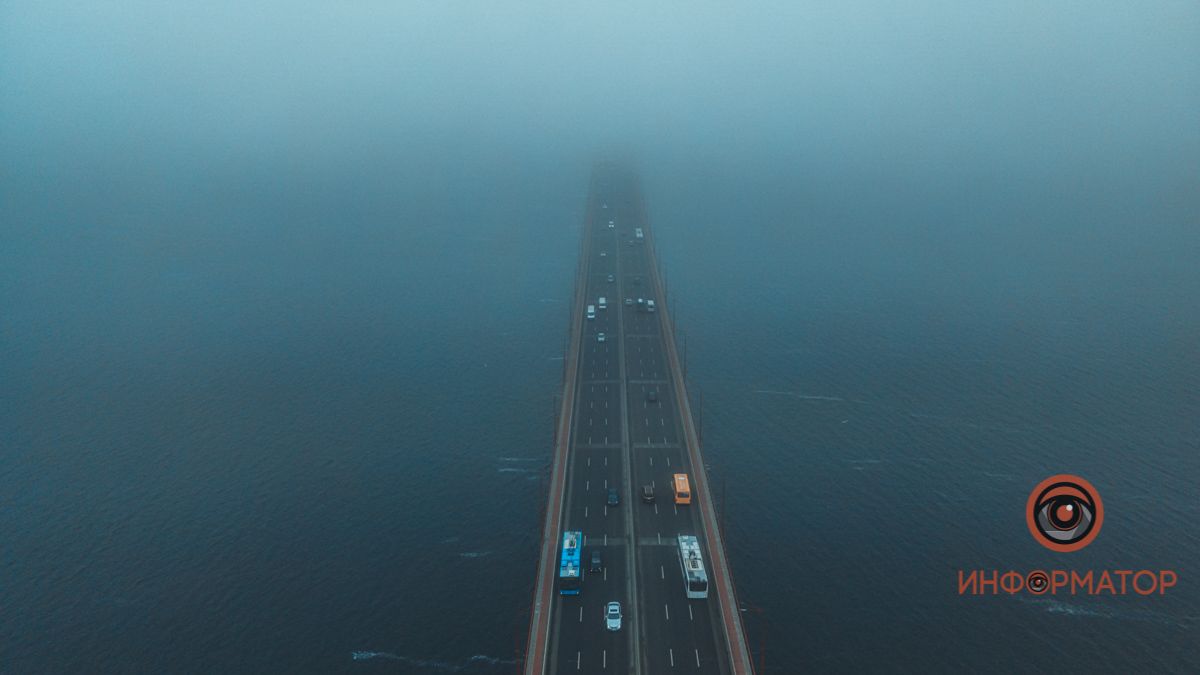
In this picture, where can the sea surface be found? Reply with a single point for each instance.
(275, 418)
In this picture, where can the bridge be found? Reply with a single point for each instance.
(625, 422)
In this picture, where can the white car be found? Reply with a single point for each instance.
(612, 616)
(600, 337)
(603, 254)
(611, 225)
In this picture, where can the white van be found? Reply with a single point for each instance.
(603, 302)
(591, 313)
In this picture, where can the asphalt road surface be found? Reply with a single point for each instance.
(620, 439)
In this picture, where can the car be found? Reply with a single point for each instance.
(597, 562)
(603, 254)
(611, 225)
(613, 497)
(652, 396)
(600, 337)
(648, 493)
(637, 281)
(629, 302)
(612, 616)
(605, 205)
(611, 278)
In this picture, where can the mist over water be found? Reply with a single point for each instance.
(284, 289)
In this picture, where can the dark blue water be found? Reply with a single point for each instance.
(278, 419)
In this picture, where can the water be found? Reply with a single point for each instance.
(289, 437)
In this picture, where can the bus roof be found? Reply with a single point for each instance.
(693, 562)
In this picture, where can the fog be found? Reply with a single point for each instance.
(1083, 93)
(278, 278)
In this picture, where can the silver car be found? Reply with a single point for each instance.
(600, 337)
(612, 616)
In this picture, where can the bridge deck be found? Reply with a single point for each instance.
(612, 435)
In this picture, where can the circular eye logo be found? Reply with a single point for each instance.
(1064, 513)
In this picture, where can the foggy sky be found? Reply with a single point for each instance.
(917, 86)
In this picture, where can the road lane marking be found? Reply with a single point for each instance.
(605, 483)
(690, 617)
(697, 658)
(656, 509)
(662, 572)
(668, 460)
(667, 610)
(604, 663)
(581, 614)
(585, 512)
(659, 537)
(577, 661)
(651, 461)
(671, 653)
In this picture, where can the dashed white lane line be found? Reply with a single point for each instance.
(651, 461)
(697, 657)
(604, 662)
(581, 614)
(578, 668)
(662, 572)
(656, 509)
(667, 611)
(585, 509)
(587, 486)
(670, 652)
(690, 617)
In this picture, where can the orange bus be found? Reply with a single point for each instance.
(683, 491)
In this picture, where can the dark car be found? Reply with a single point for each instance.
(613, 497)
(652, 395)
(648, 494)
(597, 561)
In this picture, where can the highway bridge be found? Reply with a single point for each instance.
(625, 422)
